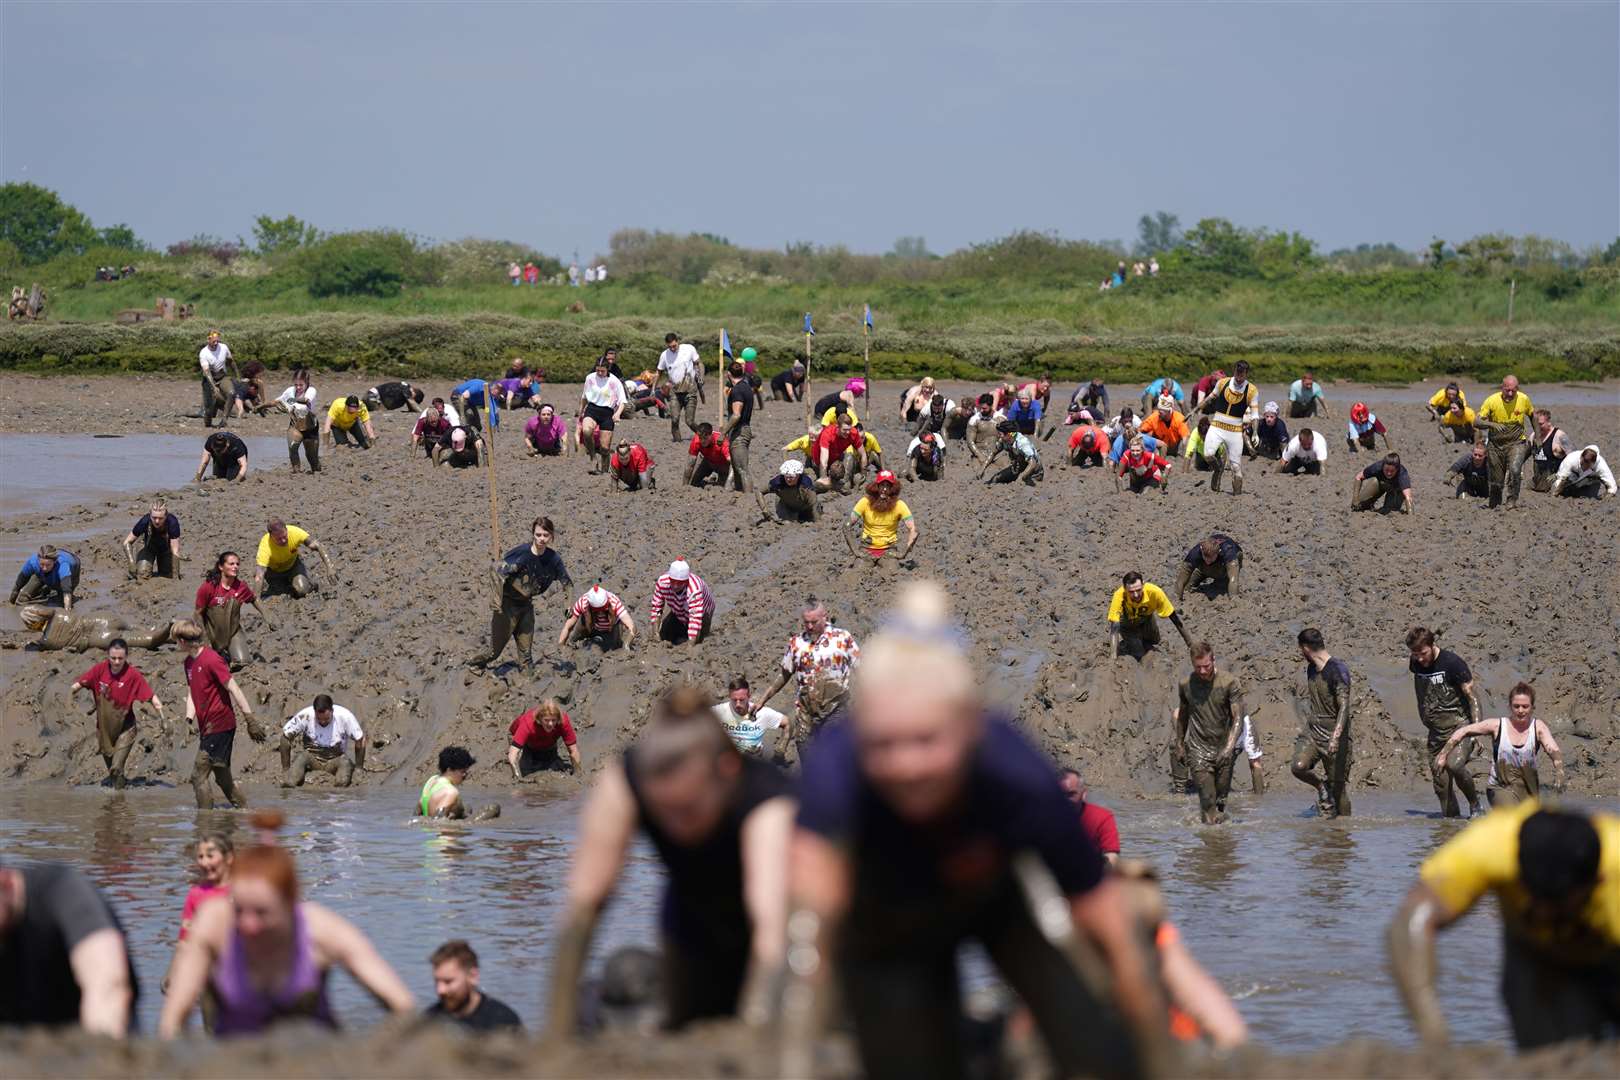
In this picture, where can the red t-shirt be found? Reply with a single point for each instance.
(194, 900)
(123, 689)
(639, 460)
(835, 446)
(1099, 443)
(1206, 385)
(206, 676)
(1097, 822)
(716, 453)
(528, 734)
(210, 594)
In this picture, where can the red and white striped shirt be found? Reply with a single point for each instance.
(599, 619)
(694, 601)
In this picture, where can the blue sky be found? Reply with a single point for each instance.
(831, 122)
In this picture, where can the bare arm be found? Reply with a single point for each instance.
(101, 968)
(315, 546)
(819, 889)
(1410, 939)
(188, 974)
(1544, 736)
(1478, 727)
(767, 832)
(572, 621)
(254, 604)
(1101, 914)
(1343, 720)
(201, 465)
(1195, 992)
(129, 548)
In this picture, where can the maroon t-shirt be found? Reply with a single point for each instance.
(528, 734)
(1098, 823)
(206, 676)
(217, 594)
(123, 689)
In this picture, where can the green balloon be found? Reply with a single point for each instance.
(749, 354)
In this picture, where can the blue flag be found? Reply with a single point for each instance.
(869, 315)
(807, 327)
(725, 343)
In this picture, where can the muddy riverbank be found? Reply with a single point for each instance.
(1525, 595)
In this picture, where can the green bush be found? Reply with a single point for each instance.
(378, 263)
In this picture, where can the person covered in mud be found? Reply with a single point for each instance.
(1506, 418)
(682, 605)
(347, 419)
(461, 449)
(71, 631)
(1306, 453)
(925, 457)
(1450, 412)
(388, 396)
(1387, 480)
(1548, 448)
(1209, 718)
(216, 361)
(1305, 398)
(1584, 476)
(325, 737)
(914, 400)
(158, 533)
(1217, 557)
(1444, 687)
(745, 722)
(821, 660)
(250, 392)
(280, 561)
(432, 427)
(935, 417)
(263, 955)
(1096, 822)
(1145, 466)
(982, 436)
(957, 417)
(738, 432)
(218, 608)
(632, 468)
(545, 434)
(227, 453)
(212, 700)
(877, 518)
(460, 998)
(795, 495)
(117, 687)
(1088, 446)
(1270, 434)
(709, 454)
(915, 817)
(1516, 741)
(598, 617)
(50, 574)
(788, 385)
(298, 401)
(1364, 429)
(64, 955)
(1324, 736)
(720, 822)
(1023, 460)
(525, 572)
(539, 738)
(681, 370)
(1472, 473)
(1133, 617)
(1552, 874)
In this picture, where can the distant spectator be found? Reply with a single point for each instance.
(515, 272)
(590, 275)
(1153, 267)
(573, 274)
(601, 272)
(531, 274)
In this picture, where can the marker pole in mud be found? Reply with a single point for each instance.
(494, 507)
(808, 397)
(866, 333)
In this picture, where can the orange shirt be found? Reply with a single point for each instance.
(1171, 431)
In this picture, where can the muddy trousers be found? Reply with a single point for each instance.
(214, 758)
(683, 411)
(1332, 796)
(1453, 772)
(42, 590)
(333, 763)
(154, 556)
(234, 650)
(1506, 465)
(899, 978)
(214, 403)
(1369, 491)
(119, 757)
(514, 620)
(1191, 576)
(310, 442)
(1513, 784)
(1214, 783)
(742, 438)
(293, 581)
(1550, 1003)
(702, 980)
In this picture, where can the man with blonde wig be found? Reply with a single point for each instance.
(924, 821)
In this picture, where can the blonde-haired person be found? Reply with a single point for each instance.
(924, 821)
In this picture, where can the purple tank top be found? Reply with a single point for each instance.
(245, 1010)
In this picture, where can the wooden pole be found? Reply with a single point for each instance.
(489, 448)
(1513, 287)
(866, 332)
(720, 409)
(808, 426)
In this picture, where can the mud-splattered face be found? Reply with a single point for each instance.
(1204, 667)
(1425, 654)
(815, 621)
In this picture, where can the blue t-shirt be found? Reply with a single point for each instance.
(171, 526)
(1019, 414)
(1118, 450)
(1156, 387)
(66, 563)
(1013, 803)
(474, 389)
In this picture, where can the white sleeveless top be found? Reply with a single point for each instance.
(1522, 756)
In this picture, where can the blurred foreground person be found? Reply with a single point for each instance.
(720, 823)
(925, 822)
(1556, 878)
(62, 954)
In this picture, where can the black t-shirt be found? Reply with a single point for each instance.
(741, 394)
(225, 447)
(829, 401)
(1230, 552)
(171, 526)
(781, 380)
(394, 395)
(528, 575)
(703, 904)
(490, 1015)
(1465, 468)
(1375, 471)
(60, 909)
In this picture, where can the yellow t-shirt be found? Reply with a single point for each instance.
(1439, 399)
(872, 446)
(882, 528)
(1485, 857)
(830, 417)
(1154, 602)
(279, 557)
(339, 414)
(1498, 411)
(1458, 420)
(801, 445)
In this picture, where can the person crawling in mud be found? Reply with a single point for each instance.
(543, 740)
(1387, 480)
(632, 468)
(432, 427)
(1133, 615)
(795, 495)
(48, 574)
(388, 396)
(925, 457)
(349, 420)
(461, 449)
(525, 572)
(158, 533)
(75, 632)
(1024, 461)
(227, 453)
(218, 607)
(280, 561)
(1217, 558)
(117, 689)
(598, 617)
(441, 794)
(1557, 892)
(325, 737)
(720, 822)
(877, 518)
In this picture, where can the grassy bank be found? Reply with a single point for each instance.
(456, 346)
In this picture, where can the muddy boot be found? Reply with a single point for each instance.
(1257, 777)
(1215, 475)
(1237, 484)
(1324, 803)
(222, 777)
(200, 771)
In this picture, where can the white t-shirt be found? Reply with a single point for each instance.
(1317, 452)
(450, 414)
(748, 732)
(290, 395)
(212, 361)
(590, 275)
(343, 729)
(601, 273)
(679, 363)
(604, 390)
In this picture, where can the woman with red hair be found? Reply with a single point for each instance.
(878, 516)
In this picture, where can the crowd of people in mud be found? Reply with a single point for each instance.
(823, 866)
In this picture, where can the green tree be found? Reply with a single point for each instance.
(1611, 254)
(287, 234)
(41, 224)
(911, 249)
(120, 236)
(1157, 233)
